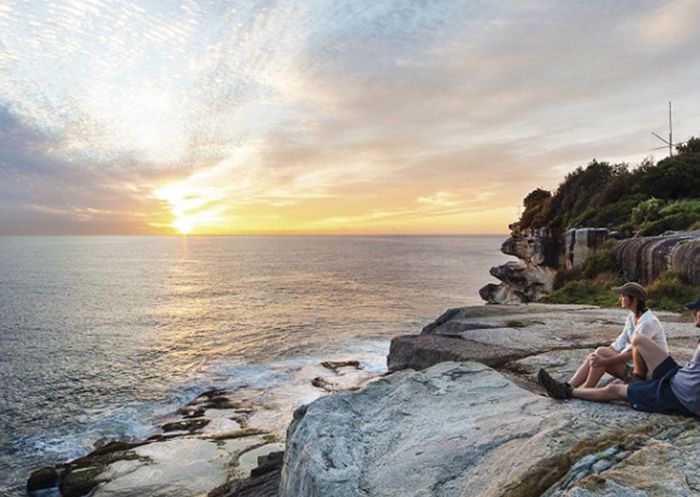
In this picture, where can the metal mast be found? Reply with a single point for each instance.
(668, 143)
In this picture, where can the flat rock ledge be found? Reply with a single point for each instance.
(464, 429)
(205, 451)
(462, 415)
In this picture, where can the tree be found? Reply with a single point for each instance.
(692, 146)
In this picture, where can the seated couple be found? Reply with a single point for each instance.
(657, 382)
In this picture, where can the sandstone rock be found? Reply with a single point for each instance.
(523, 281)
(643, 259)
(582, 242)
(456, 430)
(422, 351)
(532, 276)
(535, 247)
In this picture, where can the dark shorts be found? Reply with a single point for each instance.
(655, 395)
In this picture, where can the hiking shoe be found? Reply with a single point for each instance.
(555, 389)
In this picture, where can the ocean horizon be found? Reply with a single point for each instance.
(103, 335)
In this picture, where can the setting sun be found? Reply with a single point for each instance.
(183, 225)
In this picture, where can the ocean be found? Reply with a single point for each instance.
(102, 336)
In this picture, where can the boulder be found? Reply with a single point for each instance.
(643, 259)
(521, 282)
(422, 351)
(463, 429)
(582, 242)
(43, 478)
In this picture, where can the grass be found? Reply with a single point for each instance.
(586, 291)
(669, 292)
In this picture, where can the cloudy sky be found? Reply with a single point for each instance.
(325, 116)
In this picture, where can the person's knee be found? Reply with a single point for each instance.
(615, 390)
(640, 340)
(602, 351)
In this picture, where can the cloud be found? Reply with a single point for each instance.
(42, 193)
(292, 116)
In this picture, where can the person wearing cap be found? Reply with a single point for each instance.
(672, 389)
(618, 358)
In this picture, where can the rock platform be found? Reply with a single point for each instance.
(448, 429)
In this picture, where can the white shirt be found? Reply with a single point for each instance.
(647, 324)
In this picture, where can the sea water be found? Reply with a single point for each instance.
(102, 336)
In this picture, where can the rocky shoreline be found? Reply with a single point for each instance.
(459, 413)
(447, 424)
(211, 447)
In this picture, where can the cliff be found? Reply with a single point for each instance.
(541, 253)
(542, 256)
(643, 259)
(467, 429)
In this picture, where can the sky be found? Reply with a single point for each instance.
(326, 116)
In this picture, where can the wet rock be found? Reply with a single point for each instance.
(42, 478)
(186, 425)
(80, 481)
(334, 365)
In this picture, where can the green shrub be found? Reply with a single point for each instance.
(676, 222)
(601, 261)
(670, 292)
(587, 291)
(647, 211)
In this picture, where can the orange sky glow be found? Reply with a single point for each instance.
(313, 117)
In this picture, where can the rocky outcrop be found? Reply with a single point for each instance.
(532, 276)
(206, 449)
(643, 259)
(466, 429)
(582, 242)
(211, 447)
(463, 429)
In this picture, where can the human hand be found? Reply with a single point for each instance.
(598, 361)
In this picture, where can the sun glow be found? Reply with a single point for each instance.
(194, 209)
(184, 225)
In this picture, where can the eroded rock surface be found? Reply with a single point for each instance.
(462, 429)
(643, 259)
(465, 429)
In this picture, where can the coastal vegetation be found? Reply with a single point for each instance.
(646, 201)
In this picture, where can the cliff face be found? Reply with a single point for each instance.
(643, 259)
(541, 254)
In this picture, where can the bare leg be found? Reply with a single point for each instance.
(640, 366)
(581, 373)
(650, 352)
(595, 374)
(613, 391)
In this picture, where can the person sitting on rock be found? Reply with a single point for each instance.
(617, 359)
(672, 389)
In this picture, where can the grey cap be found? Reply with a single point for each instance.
(693, 305)
(632, 289)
